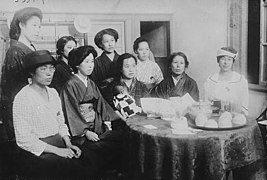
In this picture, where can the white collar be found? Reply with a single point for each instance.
(174, 81)
(235, 78)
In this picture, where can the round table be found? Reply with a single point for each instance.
(160, 154)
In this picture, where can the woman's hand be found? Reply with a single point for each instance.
(65, 152)
(77, 151)
(91, 136)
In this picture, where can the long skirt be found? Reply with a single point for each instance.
(51, 166)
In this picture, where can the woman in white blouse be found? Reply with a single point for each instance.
(227, 88)
(39, 124)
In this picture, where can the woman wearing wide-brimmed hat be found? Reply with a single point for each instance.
(24, 30)
(40, 128)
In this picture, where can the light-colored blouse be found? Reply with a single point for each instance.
(148, 72)
(234, 91)
(34, 118)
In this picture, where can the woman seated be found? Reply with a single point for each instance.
(227, 89)
(178, 83)
(40, 129)
(126, 84)
(148, 72)
(86, 111)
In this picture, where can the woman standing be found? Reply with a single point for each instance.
(40, 127)
(178, 83)
(106, 64)
(88, 127)
(63, 71)
(24, 30)
(227, 89)
(148, 72)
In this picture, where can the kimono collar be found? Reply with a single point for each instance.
(82, 79)
(19, 44)
(131, 86)
(175, 81)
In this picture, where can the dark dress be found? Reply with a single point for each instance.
(166, 88)
(104, 68)
(108, 147)
(13, 80)
(61, 76)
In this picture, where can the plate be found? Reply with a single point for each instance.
(192, 124)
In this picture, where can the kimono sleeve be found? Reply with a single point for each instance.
(194, 92)
(70, 107)
(106, 111)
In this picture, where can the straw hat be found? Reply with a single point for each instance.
(82, 24)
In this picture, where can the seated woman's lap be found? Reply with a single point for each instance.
(104, 153)
(51, 165)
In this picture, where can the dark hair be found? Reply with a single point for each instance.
(115, 90)
(121, 59)
(99, 36)
(229, 49)
(76, 56)
(138, 41)
(173, 55)
(22, 16)
(61, 42)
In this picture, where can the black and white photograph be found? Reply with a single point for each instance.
(133, 90)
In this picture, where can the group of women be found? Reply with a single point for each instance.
(62, 109)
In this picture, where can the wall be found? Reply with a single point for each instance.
(199, 28)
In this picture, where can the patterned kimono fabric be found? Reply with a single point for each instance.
(167, 89)
(109, 146)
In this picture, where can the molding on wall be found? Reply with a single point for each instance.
(237, 31)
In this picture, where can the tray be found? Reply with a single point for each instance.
(192, 124)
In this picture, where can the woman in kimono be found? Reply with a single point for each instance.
(63, 71)
(79, 94)
(178, 83)
(105, 68)
(127, 79)
(24, 30)
(227, 89)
